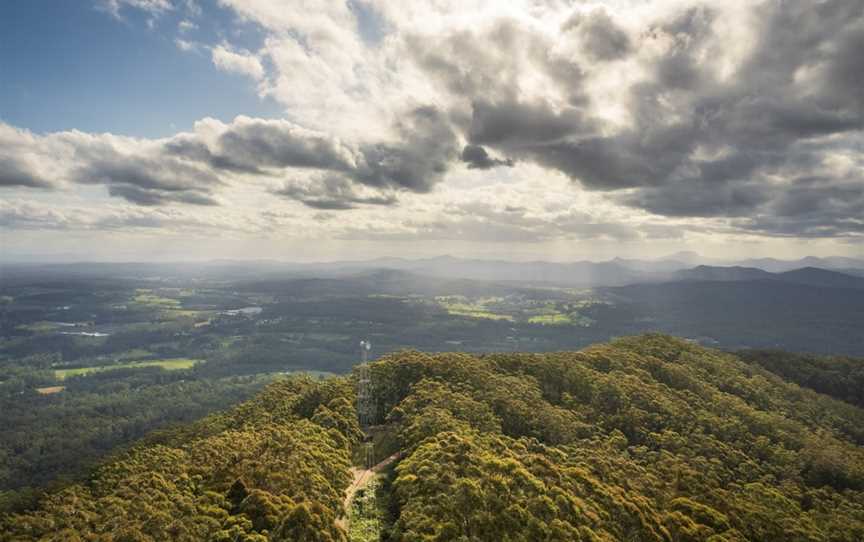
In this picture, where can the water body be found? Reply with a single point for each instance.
(85, 333)
(245, 311)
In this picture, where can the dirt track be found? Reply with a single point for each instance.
(361, 478)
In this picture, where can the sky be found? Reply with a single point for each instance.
(307, 130)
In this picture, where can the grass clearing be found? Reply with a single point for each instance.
(172, 364)
(458, 305)
(50, 390)
(41, 327)
(148, 298)
(551, 320)
(366, 516)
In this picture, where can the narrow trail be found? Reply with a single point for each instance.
(363, 476)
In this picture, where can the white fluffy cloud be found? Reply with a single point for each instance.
(229, 59)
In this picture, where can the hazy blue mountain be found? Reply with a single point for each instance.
(714, 273)
(779, 266)
(810, 276)
(814, 276)
(748, 314)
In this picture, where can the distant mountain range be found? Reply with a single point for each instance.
(683, 266)
(835, 272)
(615, 272)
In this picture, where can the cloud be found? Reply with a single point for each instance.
(190, 168)
(477, 158)
(243, 62)
(255, 145)
(13, 173)
(740, 115)
(22, 215)
(18, 162)
(479, 221)
(133, 169)
(415, 159)
(713, 120)
(332, 192)
(148, 181)
(186, 46)
(186, 26)
(812, 207)
(152, 7)
(600, 37)
(425, 145)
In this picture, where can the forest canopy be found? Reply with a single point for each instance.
(648, 438)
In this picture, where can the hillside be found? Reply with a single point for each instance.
(808, 276)
(648, 438)
(749, 314)
(706, 272)
(814, 276)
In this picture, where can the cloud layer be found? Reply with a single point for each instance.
(732, 116)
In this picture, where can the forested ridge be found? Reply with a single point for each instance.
(273, 468)
(840, 377)
(649, 438)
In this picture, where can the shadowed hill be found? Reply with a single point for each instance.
(838, 376)
(813, 276)
(809, 276)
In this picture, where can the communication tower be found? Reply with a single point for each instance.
(365, 401)
(366, 412)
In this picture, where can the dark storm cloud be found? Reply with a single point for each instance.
(477, 158)
(333, 193)
(692, 197)
(814, 207)
(517, 124)
(13, 173)
(700, 145)
(427, 144)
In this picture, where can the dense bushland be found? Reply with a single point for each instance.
(648, 438)
(644, 439)
(275, 467)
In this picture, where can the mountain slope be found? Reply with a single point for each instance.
(809, 276)
(647, 438)
(277, 464)
(838, 376)
(779, 266)
(713, 273)
(813, 276)
(749, 314)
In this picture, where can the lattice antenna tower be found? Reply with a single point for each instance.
(365, 400)
(366, 416)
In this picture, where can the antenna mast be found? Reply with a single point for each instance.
(365, 401)
(366, 417)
